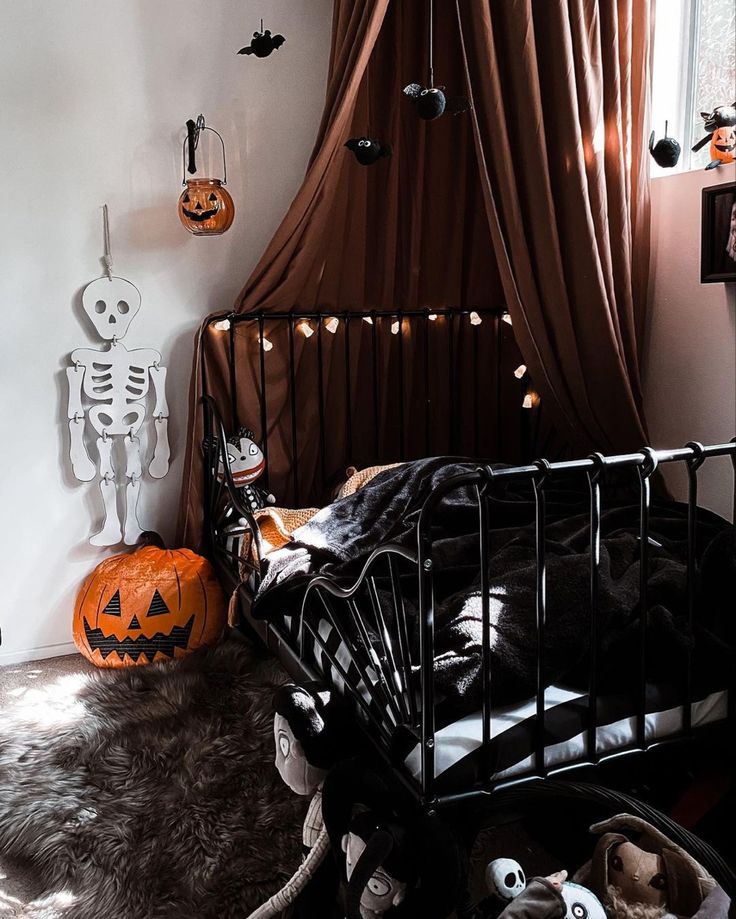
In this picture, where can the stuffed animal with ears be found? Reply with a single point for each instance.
(396, 862)
(638, 873)
(721, 127)
(247, 463)
(368, 151)
(551, 897)
(312, 732)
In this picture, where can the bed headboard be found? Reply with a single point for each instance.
(324, 391)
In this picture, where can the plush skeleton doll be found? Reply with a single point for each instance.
(247, 463)
(311, 733)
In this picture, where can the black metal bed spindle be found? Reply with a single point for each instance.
(389, 658)
(497, 384)
(339, 668)
(594, 487)
(485, 600)
(427, 391)
(376, 393)
(645, 471)
(426, 652)
(263, 396)
(476, 398)
(292, 400)
(381, 682)
(402, 428)
(321, 407)
(693, 465)
(540, 538)
(233, 376)
(452, 420)
(403, 637)
(348, 395)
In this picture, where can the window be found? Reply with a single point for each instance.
(694, 70)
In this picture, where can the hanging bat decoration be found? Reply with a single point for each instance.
(666, 152)
(431, 101)
(720, 125)
(368, 151)
(263, 43)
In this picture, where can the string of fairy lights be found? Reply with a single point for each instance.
(332, 324)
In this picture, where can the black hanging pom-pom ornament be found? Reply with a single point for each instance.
(367, 151)
(263, 43)
(431, 101)
(666, 152)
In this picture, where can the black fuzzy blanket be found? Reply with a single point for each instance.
(341, 537)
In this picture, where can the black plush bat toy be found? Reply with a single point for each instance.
(367, 151)
(263, 43)
(431, 102)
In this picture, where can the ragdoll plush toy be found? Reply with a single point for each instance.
(312, 732)
(666, 152)
(368, 151)
(638, 873)
(247, 463)
(720, 125)
(395, 861)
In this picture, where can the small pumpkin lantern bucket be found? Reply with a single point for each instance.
(205, 207)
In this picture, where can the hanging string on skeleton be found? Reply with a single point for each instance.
(107, 257)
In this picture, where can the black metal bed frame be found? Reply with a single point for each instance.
(404, 686)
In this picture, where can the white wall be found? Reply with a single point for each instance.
(690, 369)
(93, 99)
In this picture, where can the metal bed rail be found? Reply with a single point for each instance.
(406, 384)
(369, 616)
(538, 475)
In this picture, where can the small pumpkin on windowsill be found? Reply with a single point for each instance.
(148, 605)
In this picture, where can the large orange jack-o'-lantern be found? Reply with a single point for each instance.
(148, 605)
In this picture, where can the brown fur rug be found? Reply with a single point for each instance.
(150, 793)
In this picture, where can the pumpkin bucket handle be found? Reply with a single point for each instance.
(191, 142)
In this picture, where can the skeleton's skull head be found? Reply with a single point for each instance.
(505, 878)
(111, 304)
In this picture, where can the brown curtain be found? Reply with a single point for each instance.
(560, 109)
(499, 206)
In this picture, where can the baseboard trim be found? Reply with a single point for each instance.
(37, 654)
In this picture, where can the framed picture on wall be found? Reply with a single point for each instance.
(718, 234)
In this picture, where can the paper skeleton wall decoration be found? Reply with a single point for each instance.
(247, 463)
(114, 384)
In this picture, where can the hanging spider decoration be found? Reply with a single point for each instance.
(368, 151)
(263, 43)
(431, 102)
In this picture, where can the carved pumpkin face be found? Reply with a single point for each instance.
(723, 144)
(206, 208)
(151, 605)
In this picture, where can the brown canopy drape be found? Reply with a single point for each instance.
(548, 215)
(560, 92)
